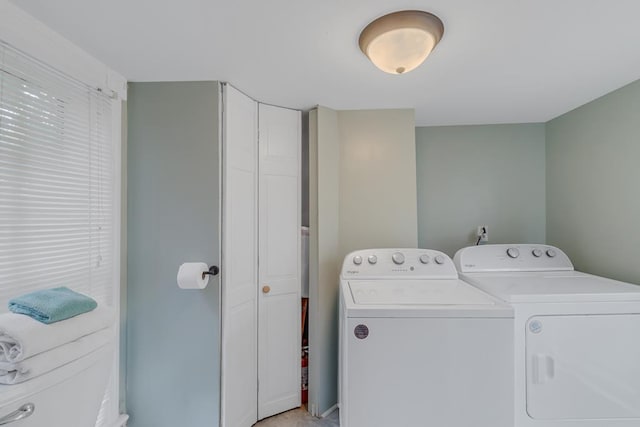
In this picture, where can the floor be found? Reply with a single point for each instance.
(300, 418)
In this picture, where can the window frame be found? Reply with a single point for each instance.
(27, 34)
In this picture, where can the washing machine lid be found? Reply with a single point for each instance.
(553, 286)
(416, 292)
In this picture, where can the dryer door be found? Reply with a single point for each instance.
(583, 367)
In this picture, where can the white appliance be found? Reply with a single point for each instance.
(576, 336)
(418, 347)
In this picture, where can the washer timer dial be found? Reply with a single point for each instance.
(398, 258)
(513, 252)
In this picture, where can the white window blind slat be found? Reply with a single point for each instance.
(57, 188)
(23, 142)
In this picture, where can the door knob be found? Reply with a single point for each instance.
(266, 289)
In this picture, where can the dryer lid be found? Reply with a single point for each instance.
(417, 292)
(569, 286)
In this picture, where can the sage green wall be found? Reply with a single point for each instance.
(593, 184)
(491, 175)
(122, 380)
(173, 354)
(324, 258)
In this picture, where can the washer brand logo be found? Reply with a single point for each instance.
(352, 272)
(469, 265)
(535, 327)
(361, 332)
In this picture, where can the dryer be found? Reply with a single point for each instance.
(576, 336)
(419, 347)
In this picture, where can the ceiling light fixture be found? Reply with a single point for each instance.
(399, 42)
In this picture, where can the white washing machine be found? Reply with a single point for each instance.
(418, 347)
(576, 336)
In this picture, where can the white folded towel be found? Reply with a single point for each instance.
(14, 373)
(22, 337)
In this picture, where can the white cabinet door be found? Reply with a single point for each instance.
(279, 260)
(239, 388)
(583, 367)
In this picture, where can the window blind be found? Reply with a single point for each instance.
(57, 186)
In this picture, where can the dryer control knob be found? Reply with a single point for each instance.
(398, 258)
(551, 253)
(439, 259)
(537, 253)
(357, 260)
(372, 259)
(513, 252)
(424, 258)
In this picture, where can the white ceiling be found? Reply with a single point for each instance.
(500, 61)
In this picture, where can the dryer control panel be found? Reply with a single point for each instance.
(409, 263)
(516, 257)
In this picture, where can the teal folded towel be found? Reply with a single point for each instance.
(52, 305)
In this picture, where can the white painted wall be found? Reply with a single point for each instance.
(24, 32)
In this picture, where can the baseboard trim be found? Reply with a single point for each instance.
(121, 421)
(329, 411)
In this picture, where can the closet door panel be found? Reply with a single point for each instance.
(239, 270)
(279, 260)
(281, 249)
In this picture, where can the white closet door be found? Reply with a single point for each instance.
(239, 388)
(279, 265)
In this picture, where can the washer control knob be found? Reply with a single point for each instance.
(439, 259)
(424, 258)
(398, 258)
(513, 252)
(372, 259)
(357, 260)
(537, 253)
(551, 253)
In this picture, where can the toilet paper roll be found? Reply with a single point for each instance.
(190, 275)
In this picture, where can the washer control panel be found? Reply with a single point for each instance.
(408, 263)
(519, 257)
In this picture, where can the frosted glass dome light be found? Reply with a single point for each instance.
(399, 42)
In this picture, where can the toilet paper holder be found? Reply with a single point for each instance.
(213, 271)
(195, 275)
